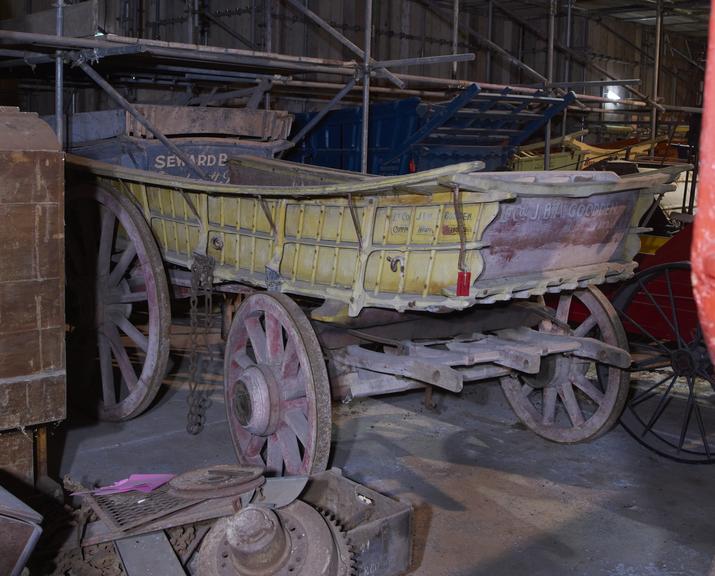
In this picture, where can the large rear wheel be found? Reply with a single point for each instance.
(118, 301)
(671, 408)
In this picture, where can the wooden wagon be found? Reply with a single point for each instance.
(425, 280)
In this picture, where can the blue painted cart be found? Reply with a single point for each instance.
(409, 135)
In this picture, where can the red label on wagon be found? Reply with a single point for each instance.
(464, 281)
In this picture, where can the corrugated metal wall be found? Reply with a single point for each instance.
(401, 28)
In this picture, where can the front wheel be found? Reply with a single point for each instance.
(276, 388)
(572, 399)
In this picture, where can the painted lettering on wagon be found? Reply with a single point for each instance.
(558, 209)
(172, 161)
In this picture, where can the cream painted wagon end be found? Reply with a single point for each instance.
(425, 280)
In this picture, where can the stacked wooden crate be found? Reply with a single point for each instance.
(32, 324)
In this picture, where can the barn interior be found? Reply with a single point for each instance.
(364, 287)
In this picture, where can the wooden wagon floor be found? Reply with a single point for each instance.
(490, 497)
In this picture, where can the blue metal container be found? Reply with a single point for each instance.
(409, 135)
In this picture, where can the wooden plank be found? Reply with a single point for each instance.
(175, 120)
(429, 372)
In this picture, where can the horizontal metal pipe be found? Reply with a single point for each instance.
(262, 60)
(443, 59)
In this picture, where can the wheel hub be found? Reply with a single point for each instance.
(256, 400)
(683, 363)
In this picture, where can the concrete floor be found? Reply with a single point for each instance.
(490, 498)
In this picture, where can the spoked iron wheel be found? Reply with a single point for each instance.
(572, 399)
(276, 387)
(118, 301)
(671, 408)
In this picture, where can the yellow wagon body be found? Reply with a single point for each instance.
(394, 242)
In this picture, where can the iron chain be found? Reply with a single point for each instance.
(202, 273)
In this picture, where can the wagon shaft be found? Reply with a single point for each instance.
(448, 364)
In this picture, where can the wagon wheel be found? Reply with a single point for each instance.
(118, 299)
(671, 409)
(276, 387)
(572, 399)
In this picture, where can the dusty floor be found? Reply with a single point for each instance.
(490, 498)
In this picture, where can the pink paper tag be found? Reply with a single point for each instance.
(139, 482)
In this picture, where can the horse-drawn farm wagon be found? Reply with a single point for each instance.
(357, 285)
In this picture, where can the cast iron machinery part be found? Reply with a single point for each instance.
(292, 541)
(217, 481)
(276, 388)
(574, 400)
(669, 410)
(117, 283)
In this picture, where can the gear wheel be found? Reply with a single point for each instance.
(347, 565)
(296, 540)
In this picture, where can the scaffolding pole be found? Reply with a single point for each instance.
(549, 78)
(567, 60)
(59, 78)
(455, 35)
(366, 86)
(656, 72)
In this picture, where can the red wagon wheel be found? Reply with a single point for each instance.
(671, 409)
(571, 399)
(276, 388)
(118, 300)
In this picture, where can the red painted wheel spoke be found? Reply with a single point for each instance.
(290, 364)
(274, 339)
(254, 445)
(257, 337)
(299, 403)
(106, 240)
(133, 332)
(298, 423)
(292, 388)
(242, 359)
(109, 394)
(289, 449)
(251, 446)
(587, 387)
(122, 266)
(121, 356)
(274, 456)
(570, 402)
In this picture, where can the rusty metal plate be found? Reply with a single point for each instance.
(217, 481)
